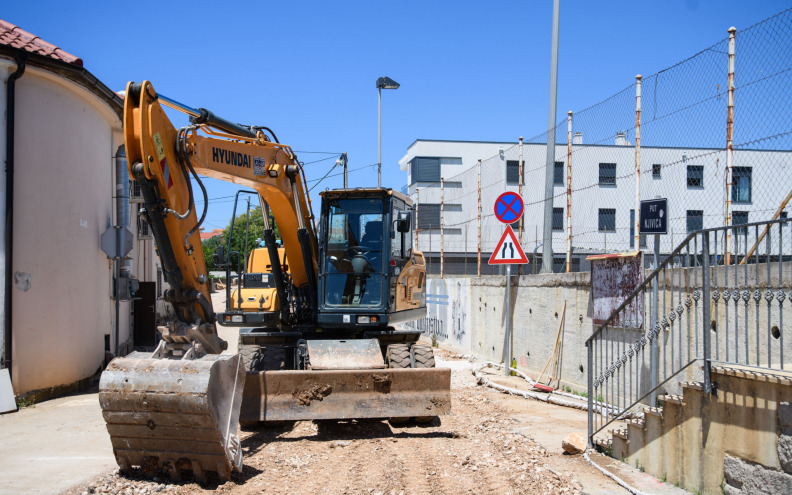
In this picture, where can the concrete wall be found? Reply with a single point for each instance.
(66, 140)
(468, 314)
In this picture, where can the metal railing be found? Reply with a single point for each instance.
(717, 298)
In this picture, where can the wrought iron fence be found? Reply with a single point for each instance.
(717, 298)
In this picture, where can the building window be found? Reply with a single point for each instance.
(428, 216)
(558, 219)
(741, 184)
(513, 172)
(656, 168)
(695, 176)
(642, 240)
(607, 220)
(607, 174)
(425, 169)
(695, 220)
(559, 264)
(558, 174)
(740, 218)
(515, 225)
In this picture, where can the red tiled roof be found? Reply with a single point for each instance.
(209, 235)
(17, 37)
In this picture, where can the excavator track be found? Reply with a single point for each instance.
(174, 414)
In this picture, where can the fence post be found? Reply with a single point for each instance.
(479, 218)
(417, 205)
(569, 194)
(730, 144)
(705, 309)
(654, 346)
(442, 230)
(520, 189)
(637, 226)
(590, 388)
(466, 248)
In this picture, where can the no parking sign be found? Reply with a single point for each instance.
(509, 207)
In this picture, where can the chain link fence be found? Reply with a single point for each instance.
(712, 134)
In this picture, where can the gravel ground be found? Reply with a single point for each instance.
(477, 449)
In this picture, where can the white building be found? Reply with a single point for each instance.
(60, 140)
(603, 194)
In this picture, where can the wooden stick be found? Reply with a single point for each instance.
(555, 348)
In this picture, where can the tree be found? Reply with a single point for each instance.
(209, 247)
(255, 230)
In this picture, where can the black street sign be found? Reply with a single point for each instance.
(654, 217)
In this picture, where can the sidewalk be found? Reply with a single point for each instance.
(59, 443)
(53, 445)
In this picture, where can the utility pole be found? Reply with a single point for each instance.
(547, 248)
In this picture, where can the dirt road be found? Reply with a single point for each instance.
(482, 447)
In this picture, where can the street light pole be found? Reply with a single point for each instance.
(379, 136)
(382, 83)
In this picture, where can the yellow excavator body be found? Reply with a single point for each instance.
(324, 343)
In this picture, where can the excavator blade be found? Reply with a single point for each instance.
(346, 394)
(174, 414)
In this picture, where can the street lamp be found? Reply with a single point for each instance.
(382, 83)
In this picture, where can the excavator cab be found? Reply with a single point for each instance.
(366, 260)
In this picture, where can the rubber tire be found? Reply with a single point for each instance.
(251, 357)
(423, 355)
(398, 356)
(257, 358)
(272, 358)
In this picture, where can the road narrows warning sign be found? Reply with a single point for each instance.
(508, 251)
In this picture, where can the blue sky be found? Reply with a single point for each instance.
(468, 70)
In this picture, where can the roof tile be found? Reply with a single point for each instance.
(16, 37)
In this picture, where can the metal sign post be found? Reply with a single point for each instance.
(653, 219)
(508, 209)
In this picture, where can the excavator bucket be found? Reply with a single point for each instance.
(174, 414)
(346, 394)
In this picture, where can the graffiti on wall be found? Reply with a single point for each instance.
(459, 313)
(446, 312)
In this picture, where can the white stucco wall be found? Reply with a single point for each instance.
(66, 139)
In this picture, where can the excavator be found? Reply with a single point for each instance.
(318, 338)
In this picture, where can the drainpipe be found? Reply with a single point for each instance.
(20, 58)
(122, 271)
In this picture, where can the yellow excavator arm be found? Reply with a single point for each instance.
(163, 159)
(178, 408)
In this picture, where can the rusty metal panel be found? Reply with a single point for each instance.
(306, 395)
(174, 414)
(358, 354)
(613, 279)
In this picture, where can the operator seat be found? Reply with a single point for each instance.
(372, 237)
